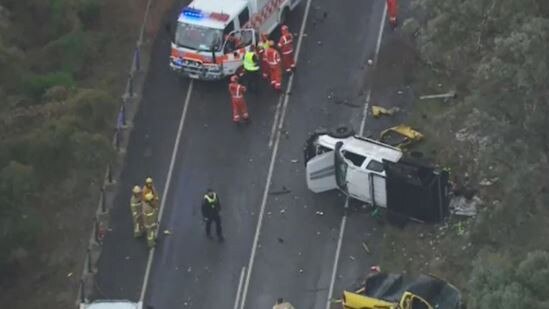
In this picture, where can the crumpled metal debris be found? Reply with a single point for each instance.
(460, 206)
(378, 111)
(400, 136)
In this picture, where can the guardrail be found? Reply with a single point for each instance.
(123, 127)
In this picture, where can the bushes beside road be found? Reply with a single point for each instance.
(63, 63)
(494, 137)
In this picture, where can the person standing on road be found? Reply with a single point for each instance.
(136, 206)
(286, 46)
(211, 209)
(275, 72)
(262, 47)
(392, 11)
(237, 91)
(150, 188)
(150, 219)
(251, 69)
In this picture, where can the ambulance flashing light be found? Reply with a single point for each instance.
(193, 13)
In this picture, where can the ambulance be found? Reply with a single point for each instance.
(210, 37)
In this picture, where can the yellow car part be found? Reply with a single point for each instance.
(357, 301)
(407, 134)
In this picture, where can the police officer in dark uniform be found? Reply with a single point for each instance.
(211, 209)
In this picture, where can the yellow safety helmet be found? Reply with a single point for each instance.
(136, 190)
(149, 197)
(149, 180)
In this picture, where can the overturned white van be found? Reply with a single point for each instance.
(375, 173)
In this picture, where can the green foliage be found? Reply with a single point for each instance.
(496, 52)
(94, 109)
(89, 11)
(496, 283)
(17, 225)
(36, 85)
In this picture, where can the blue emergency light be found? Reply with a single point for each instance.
(192, 13)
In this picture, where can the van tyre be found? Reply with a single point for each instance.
(342, 132)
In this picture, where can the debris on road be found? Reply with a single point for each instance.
(284, 190)
(167, 232)
(448, 95)
(365, 247)
(370, 61)
(69, 275)
(352, 258)
(319, 213)
(280, 240)
(381, 111)
(282, 211)
(295, 161)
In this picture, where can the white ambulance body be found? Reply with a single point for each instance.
(199, 49)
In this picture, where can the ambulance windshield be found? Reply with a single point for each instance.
(198, 37)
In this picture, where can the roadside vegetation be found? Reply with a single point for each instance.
(63, 63)
(494, 138)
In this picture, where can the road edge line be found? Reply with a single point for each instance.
(167, 186)
(337, 253)
(378, 47)
(239, 289)
(273, 159)
(362, 126)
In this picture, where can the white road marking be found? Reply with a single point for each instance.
(378, 46)
(337, 253)
(240, 282)
(167, 186)
(362, 126)
(277, 115)
(273, 159)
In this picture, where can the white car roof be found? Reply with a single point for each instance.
(229, 7)
(363, 146)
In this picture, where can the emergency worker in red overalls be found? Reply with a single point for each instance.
(286, 46)
(392, 10)
(275, 71)
(261, 49)
(240, 109)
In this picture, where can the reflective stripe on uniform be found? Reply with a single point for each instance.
(249, 63)
(212, 199)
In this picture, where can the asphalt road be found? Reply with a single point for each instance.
(296, 248)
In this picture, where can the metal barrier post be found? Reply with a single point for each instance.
(103, 201)
(137, 57)
(109, 174)
(130, 85)
(90, 269)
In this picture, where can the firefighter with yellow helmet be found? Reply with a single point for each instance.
(150, 188)
(136, 207)
(150, 219)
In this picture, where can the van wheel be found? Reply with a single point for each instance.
(342, 132)
(284, 16)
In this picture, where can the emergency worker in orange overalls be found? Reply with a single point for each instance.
(286, 46)
(261, 49)
(392, 10)
(275, 71)
(237, 91)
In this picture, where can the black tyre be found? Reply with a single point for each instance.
(342, 132)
